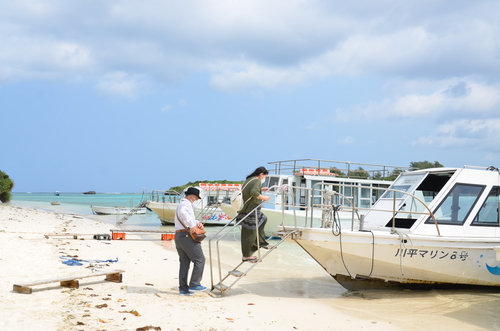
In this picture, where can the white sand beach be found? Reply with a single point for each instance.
(277, 295)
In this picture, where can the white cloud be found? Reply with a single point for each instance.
(169, 108)
(347, 141)
(311, 126)
(166, 109)
(466, 134)
(121, 84)
(250, 43)
(460, 98)
(254, 75)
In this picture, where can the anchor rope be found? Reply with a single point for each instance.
(337, 231)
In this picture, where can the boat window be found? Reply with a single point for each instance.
(455, 208)
(376, 194)
(347, 192)
(488, 214)
(365, 191)
(404, 183)
(273, 181)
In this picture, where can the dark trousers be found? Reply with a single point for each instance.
(189, 251)
(249, 239)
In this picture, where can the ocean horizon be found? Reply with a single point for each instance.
(80, 203)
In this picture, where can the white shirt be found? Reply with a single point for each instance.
(185, 213)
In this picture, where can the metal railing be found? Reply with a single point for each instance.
(348, 205)
(215, 241)
(349, 169)
(133, 205)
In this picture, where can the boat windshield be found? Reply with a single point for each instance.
(457, 205)
(405, 183)
(488, 214)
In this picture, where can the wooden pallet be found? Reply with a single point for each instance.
(70, 281)
(75, 236)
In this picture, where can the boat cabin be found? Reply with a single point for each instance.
(360, 184)
(441, 201)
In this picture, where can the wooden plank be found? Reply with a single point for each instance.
(75, 236)
(69, 281)
(116, 277)
(22, 289)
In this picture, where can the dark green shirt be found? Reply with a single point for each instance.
(252, 189)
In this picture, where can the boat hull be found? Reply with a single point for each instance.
(380, 259)
(100, 210)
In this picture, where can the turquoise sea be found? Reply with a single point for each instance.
(79, 203)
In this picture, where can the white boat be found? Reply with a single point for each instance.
(206, 209)
(102, 210)
(55, 203)
(432, 227)
(297, 190)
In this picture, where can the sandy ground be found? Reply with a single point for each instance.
(276, 295)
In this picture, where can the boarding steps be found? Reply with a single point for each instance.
(220, 288)
(130, 213)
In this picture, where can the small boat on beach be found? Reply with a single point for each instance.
(55, 203)
(431, 227)
(102, 210)
(206, 209)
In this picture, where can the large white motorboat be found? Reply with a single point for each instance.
(432, 227)
(206, 209)
(297, 190)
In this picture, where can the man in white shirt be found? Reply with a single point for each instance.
(188, 250)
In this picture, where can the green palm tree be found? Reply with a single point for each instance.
(6, 186)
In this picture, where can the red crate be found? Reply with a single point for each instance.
(167, 236)
(118, 236)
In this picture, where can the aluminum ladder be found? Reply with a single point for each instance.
(218, 287)
(130, 213)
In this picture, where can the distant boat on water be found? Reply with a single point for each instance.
(101, 210)
(56, 193)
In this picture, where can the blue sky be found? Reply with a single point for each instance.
(116, 96)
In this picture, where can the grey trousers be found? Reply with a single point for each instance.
(189, 251)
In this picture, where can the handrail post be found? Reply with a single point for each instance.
(393, 229)
(257, 231)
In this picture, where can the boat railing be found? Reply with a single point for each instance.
(165, 196)
(137, 196)
(329, 205)
(345, 169)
